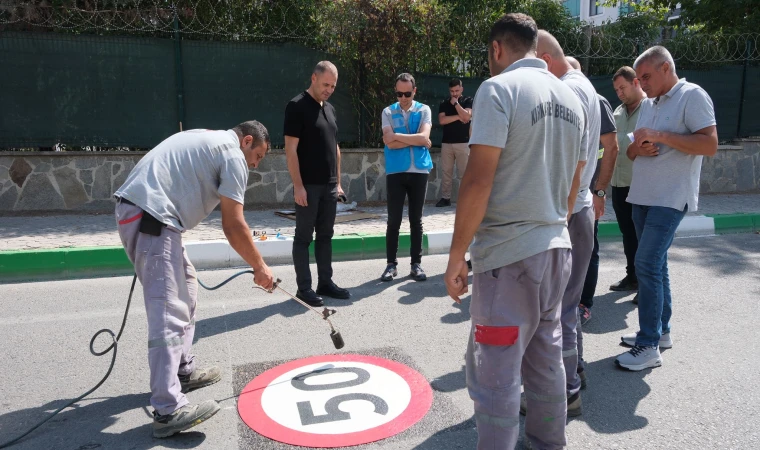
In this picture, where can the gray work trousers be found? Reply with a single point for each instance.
(581, 228)
(170, 290)
(516, 334)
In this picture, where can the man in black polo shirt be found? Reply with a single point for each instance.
(311, 147)
(454, 115)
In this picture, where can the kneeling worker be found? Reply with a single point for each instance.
(173, 188)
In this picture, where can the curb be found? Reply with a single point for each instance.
(83, 262)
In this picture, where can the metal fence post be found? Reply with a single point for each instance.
(747, 53)
(179, 80)
(362, 114)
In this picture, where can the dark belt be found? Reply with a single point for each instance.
(124, 200)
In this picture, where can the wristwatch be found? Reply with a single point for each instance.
(600, 193)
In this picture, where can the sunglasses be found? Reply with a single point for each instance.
(403, 94)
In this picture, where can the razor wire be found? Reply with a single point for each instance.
(298, 21)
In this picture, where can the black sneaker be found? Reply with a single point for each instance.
(390, 272)
(635, 300)
(332, 290)
(469, 264)
(310, 298)
(417, 273)
(443, 202)
(628, 283)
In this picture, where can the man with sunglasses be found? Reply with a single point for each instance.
(406, 134)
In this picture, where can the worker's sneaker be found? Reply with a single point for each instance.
(389, 273)
(182, 419)
(665, 340)
(443, 202)
(574, 405)
(200, 378)
(582, 376)
(417, 273)
(640, 358)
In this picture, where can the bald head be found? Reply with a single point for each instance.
(550, 51)
(548, 44)
(573, 62)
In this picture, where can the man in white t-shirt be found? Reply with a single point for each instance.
(175, 186)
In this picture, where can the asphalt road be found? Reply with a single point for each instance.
(706, 395)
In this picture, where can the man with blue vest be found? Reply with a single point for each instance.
(406, 134)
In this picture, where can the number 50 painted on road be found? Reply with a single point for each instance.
(335, 400)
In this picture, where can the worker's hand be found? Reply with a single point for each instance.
(340, 191)
(428, 143)
(598, 207)
(263, 277)
(389, 137)
(299, 194)
(647, 149)
(456, 278)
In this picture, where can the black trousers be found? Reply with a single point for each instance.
(401, 186)
(318, 216)
(624, 214)
(592, 275)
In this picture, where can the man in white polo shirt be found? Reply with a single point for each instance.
(676, 128)
(525, 152)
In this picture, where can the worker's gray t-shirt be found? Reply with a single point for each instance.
(671, 179)
(182, 179)
(592, 112)
(537, 121)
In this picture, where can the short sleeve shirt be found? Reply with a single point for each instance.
(590, 103)
(316, 128)
(608, 126)
(426, 119)
(183, 178)
(537, 122)
(671, 179)
(456, 132)
(626, 124)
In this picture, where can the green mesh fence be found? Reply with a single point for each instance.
(87, 90)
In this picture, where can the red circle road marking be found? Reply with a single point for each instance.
(252, 412)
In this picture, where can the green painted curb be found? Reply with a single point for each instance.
(608, 230)
(17, 265)
(735, 223)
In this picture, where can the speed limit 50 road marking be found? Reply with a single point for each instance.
(335, 400)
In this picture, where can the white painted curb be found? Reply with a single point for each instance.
(219, 254)
(439, 241)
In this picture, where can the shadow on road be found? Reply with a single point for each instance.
(84, 425)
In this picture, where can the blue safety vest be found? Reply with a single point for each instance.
(399, 160)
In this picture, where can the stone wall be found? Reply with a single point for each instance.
(85, 181)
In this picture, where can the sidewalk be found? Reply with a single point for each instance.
(73, 245)
(41, 232)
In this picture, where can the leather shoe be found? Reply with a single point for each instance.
(443, 203)
(332, 290)
(626, 284)
(310, 297)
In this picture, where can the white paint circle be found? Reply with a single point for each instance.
(280, 398)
